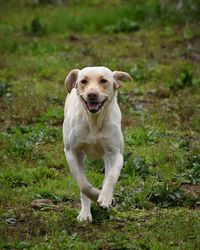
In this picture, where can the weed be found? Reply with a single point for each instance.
(5, 89)
(142, 136)
(46, 194)
(189, 171)
(185, 79)
(53, 116)
(141, 167)
(27, 177)
(132, 197)
(141, 73)
(197, 124)
(123, 25)
(22, 140)
(43, 2)
(136, 167)
(164, 195)
(36, 28)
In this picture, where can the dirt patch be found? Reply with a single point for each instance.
(192, 190)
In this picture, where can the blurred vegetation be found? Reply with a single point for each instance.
(157, 198)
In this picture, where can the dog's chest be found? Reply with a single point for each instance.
(93, 146)
(93, 139)
(94, 151)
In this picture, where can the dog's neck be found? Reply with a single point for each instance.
(95, 122)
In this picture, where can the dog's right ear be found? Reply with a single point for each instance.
(120, 76)
(71, 79)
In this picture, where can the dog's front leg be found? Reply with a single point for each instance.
(75, 161)
(113, 165)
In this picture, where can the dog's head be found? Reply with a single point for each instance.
(95, 85)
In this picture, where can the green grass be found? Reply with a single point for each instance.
(157, 197)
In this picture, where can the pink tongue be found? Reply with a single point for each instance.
(93, 106)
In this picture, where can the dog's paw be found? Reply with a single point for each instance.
(85, 216)
(105, 200)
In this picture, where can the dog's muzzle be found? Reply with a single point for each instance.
(93, 104)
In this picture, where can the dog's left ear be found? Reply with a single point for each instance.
(70, 80)
(119, 77)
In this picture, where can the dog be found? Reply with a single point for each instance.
(92, 127)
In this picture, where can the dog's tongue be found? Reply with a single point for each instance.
(93, 106)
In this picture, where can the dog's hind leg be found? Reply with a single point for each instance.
(75, 161)
(85, 213)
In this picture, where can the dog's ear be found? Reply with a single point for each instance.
(119, 77)
(71, 79)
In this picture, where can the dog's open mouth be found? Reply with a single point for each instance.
(94, 106)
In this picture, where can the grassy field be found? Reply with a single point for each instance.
(157, 198)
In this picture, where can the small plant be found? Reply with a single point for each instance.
(131, 196)
(124, 25)
(185, 79)
(164, 195)
(36, 28)
(142, 136)
(43, 2)
(27, 177)
(4, 88)
(141, 167)
(136, 167)
(53, 116)
(22, 140)
(87, 51)
(140, 72)
(189, 172)
(197, 124)
(46, 194)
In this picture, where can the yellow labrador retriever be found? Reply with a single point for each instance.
(92, 127)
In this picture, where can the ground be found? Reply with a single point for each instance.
(157, 198)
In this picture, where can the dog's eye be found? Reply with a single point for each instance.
(103, 81)
(84, 81)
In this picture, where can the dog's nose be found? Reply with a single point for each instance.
(92, 95)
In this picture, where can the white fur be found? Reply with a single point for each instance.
(98, 136)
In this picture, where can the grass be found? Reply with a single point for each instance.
(157, 197)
